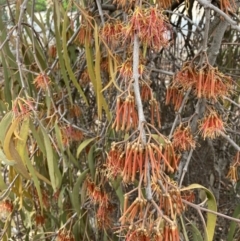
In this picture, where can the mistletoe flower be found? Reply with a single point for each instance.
(211, 126)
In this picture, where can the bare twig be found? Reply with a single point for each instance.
(198, 207)
(208, 4)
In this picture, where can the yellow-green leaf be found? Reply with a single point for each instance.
(212, 205)
(83, 145)
(54, 172)
(75, 193)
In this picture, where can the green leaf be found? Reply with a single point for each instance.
(233, 224)
(54, 172)
(84, 145)
(38, 137)
(75, 193)
(212, 205)
(195, 233)
(4, 125)
(4, 159)
(96, 76)
(91, 162)
(66, 57)
(56, 17)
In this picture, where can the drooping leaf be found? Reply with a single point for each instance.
(66, 57)
(54, 172)
(91, 161)
(4, 125)
(233, 225)
(211, 205)
(75, 193)
(83, 145)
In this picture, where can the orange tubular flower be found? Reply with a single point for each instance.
(212, 84)
(146, 93)
(134, 212)
(151, 26)
(155, 114)
(112, 33)
(115, 162)
(183, 139)
(211, 126)
(233, 169)
(126, 114)
(175, 96)
(6, 208)
(42, 82)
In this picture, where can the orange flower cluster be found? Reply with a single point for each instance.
(211, 125)
(65, 235)
(164, 3)
(6, 208)
(22, 107)
(85, 34)
(233, 170)
(175, 96)
(134, 212)
(207, 82)
(227, 6)
(132, 159)
(101, 201)
(126, 71)
(151, 26)
(70, 134)
(183, 139)
(212, 84)
(112, 33)
(39, 220)
(169, 197)
(143, 224)
(146, 92)
(42, 82)
(155, 114)
(126, 114)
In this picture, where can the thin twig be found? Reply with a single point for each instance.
(234, 144)
(207, 4)
(198, 207)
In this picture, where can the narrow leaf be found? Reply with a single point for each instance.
(83, 145)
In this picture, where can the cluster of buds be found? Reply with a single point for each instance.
(212, 125)
(101, 200)
(42, 81)
(206, 82)
(22, 107)
(175, 96)
(65, 235)
(146, 91)
(6, 208)
(212, 84)
(85, 34)
(126, 71)
(155, 114)
(233, 169)
(112, 33)
(131, 159)
(151, 26)
(168, 196)
(144, 225)
(39, 220)
(164, 4)
(126, 114)
(183, 139)
(228, 6)
(70, 134)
